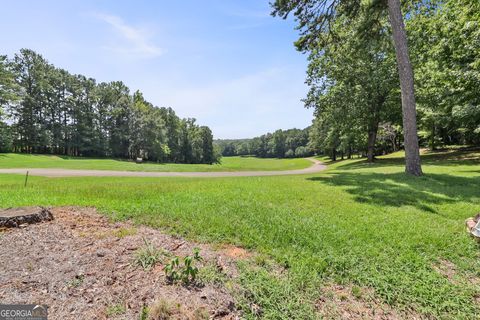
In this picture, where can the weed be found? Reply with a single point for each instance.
(147, 256)
(124, 232)
(144, 313)
(76, 282)
(162, 310)
(115, 310)
(186, 273)
(357, 292)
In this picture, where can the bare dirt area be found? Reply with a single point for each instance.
(82, 266)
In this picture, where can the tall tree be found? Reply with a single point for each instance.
(447, 70)
(315, 17)
(57, 112)
(405, 73)
(353, 82)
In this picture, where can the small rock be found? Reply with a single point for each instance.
(222, 312)
(101, 253)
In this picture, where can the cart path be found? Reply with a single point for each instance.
(51, 172)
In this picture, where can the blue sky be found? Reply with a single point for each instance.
(227, 63)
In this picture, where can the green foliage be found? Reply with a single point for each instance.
(144, 313)
(147, 256)
(124, 232)
(270, 145)
(115, 310)
(186, 272)
(290, 153)
(76, 281)
(352, 73)
(353, 89)
(447, 71)
(61, 113)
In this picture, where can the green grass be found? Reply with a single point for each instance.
(13, 160)
(365, 225)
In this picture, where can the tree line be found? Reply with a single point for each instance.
(371, 88)
(44, 109)
(292, 143)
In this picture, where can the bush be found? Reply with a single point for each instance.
(290, 153)
(302, 152)
(187, 273)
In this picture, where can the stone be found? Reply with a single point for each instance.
(21, 216)
(473, 226)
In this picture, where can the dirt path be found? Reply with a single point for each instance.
(82, 266)
(51, 172)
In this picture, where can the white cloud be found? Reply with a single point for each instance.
(134, 41)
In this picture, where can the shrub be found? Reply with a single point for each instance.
(187, 273)
(290, 153)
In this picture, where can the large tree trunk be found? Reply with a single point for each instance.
(405, 72)
(372, 138)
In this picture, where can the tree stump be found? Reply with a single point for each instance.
(16, 217)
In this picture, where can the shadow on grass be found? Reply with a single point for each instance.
(397, 189)
(443, 158)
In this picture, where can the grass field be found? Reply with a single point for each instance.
(369, 226)
(12, 160)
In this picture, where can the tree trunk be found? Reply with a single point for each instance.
(334, 154)
(405, 73)
(432, 138)
(372, 138)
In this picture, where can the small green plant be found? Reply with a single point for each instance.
(75, 282)
(144, 313)
(186, 273)
(115, 310)
(357, 292)
(147, 256)
(124, 232)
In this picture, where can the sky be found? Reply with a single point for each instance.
(227, 63)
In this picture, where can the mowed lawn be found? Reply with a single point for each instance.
(367, 226)
(13, 160)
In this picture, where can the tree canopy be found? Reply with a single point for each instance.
(45, 109)
(353, 73)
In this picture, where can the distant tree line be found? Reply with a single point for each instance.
(44, 109)
(353, 74)
(292, 143)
